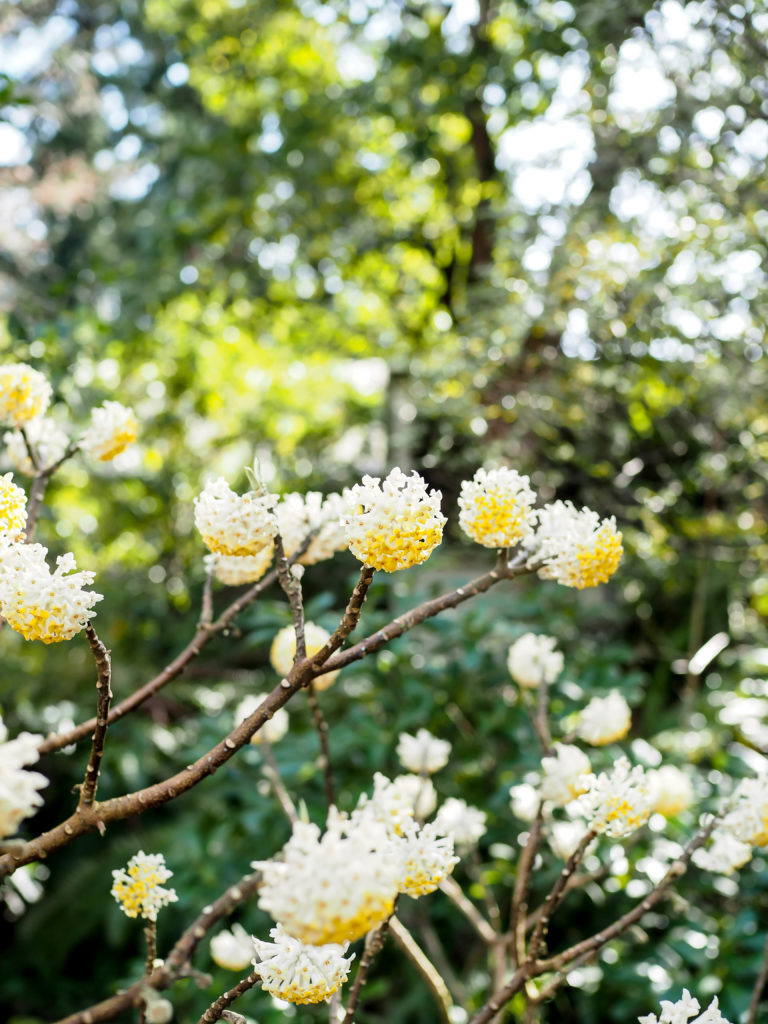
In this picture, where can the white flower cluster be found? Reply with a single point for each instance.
(24, 394)
(743, 827)
(13, 510)
(112, 428)
(466, 824)
(138, 888)
(617, 802)
(235, 570)
(393, 525)
(47, 439)
(605, 720)
(423, 753)
(231, 524)
(680, 1012)
(38, 603)
(300, 973)
(532, 659)
(418, 792)
(671, 790)
(564, 776)
(298, 515)
(232, 950)
(574, 546)
(565, 836)
(283, 651)
(497, 507)
(273, 729)
(19, 796)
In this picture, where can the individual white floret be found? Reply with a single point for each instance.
(682, 1010)
(40, 604)
(532, 659)
(301, 514)
(617, 802)
(112, 428)
(605, 720)
(428, 859)
(47, 439)
(232, 949)
(233, 524)
(273, 729)
(283, 651)
(235, 570)
(19, 796)
(574, 546)
(724, 855)
(24, 394)
(138, 888)
(564, 776)
(13, 510)
(423, 752)
(671, 790)
(497, 507)
(300, 973)
(419, 792)
(565, 836)
(748, 817)
(457, 818)
(395, 524)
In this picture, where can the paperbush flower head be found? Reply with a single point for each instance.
(231, 524)
(301, 514)
(428, 859)
(616, 802)
(112, 428)
(464, 823)
(19, 796)
(300, 973)
(574, 546)
(565, 836)
(47, 439)
(391, 805)
(273, 729)
(748, 818)
(13, 509)
(395, 524)
(234, 570)
(40, 604)
(497, 507)
(419, 793)
(564, 776)
(232, 950)
(671, 790)
(139, 889)
(423, 752)
(24, 393)
(533, 659)
(605, 720)
(283, 651)
(724, 855)
(682, 1010)
(524, 800)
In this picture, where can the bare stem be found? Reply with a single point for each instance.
(216, 1009)
(424, 966)
(272, 771)
(757, 991)
(321, 726)
(374, 940)
(556, 894)
(520, 893)
(104, 675)
(456, 894)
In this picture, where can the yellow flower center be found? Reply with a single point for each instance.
(600, 562)
(496, 519)
(120, 440)
(343, 923)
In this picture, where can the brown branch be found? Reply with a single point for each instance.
(374, 940)
(757, 991)
(215, 1010)
(424, 966)
(292, 588)
(40, 483)
(150, 934)
(104, 670)
(349, 619)
(456, 894)
(520, 893)
(556, 895)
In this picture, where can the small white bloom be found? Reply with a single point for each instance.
(395, 524)
(283, 651)
(112, 428)
(724, 855)
(233, 949)
(605, 720)
(138, 888)
(565, 836)
(273, 729)
(47, 439)
(423, 752)
(428, 859)
(616, 802)
(533, 659)
(524, 800)
(299, 515)
(391, 806)
(24, 394)
(671, 790)
(564, 776)
(457, 818)
(748, 819)
(19, 796)
(297, 972)
(235, 570)
(419, 792)
(685, 1008)
(13, 510)
(497, 507)
(231, 524)
(574, 546)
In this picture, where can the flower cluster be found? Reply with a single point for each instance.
(19, 796)
(497, 507)
(574, 546)
(457, 818)
(138, 888)
(671, 790)
(283, 651)
(299, 515)
(393, 525)
(112, 428)
(232, 524)
(724, 855)
(605, 720)
(235, 570)
(47, 439)
(533, 660)
(300, 973)
(680, 1012)
(232, 950)
(617, 802)
(13, 509)
(564, 776)
(24, 393)
(423, 753)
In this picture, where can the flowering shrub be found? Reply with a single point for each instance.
(351, 876)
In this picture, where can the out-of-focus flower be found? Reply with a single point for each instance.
(390, 805)
(616, 802)
(300, 973)
(138, 888)
(19, 796)
(497, 507)
(524, 800)
(24, 393)
(234, 570)
(231, 524)
(273, 729)
(532, 659)
(423, 752)
(13, 509)
(428, 859)
(40, 604)
(457, 818)
(301, 514)
(112, 428)
(283, 651)
(47, 439)
(748, 818)
(233, 949)
(680, 1011)
(393, 525)
(605, 720)
(724, 855)
(565, 836)
(419, 792)
(574, 546)
(671, 790)
(564, 776)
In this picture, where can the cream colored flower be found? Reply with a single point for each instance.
(564, 776)
(301, 514)
(13, 509)
(532, 659)
(233, 950)
(112, 428)
(419, 792)
(24, 393)
(748, 818)
(574, 546)
(428, 859)
(724, 855)
(297, 972)
(605, 720)
(283, 651)
(139, 890)
(235, 570)
(231, 524)
(457, 818)
(497, 507)
(423, 752)
(671, 790)
(19, 796)
(616, 802)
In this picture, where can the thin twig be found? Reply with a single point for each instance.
(456, 894)
(291, 585)
(519, 908)
(215, 1010)
(556, 894)
(321, 727)
(150, 934)
(39, 485)
(104, 671)
(757, 991)
(424, 966)
(541, 717)
(374, 940)
(206, 608)
(272, 771)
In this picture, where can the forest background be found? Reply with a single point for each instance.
(348, 235)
